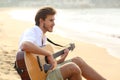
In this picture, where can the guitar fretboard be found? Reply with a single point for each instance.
(57, 54)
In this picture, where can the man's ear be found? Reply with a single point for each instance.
(41, 20)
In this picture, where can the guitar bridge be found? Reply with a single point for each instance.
(38, 60)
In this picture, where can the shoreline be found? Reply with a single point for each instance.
(97, 57)
(114, 53)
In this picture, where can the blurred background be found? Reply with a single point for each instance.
(62, 3)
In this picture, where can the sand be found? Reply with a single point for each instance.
(11, 29)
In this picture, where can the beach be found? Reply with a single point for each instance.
(11, 29)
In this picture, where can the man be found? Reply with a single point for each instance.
(34, 38)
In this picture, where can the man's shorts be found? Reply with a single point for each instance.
(56, 74)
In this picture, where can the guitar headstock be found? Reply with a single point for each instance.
(72, 46)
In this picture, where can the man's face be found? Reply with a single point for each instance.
(49, 23)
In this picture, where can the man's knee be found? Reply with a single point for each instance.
(69, 70)
(74, 68)
(78, 60)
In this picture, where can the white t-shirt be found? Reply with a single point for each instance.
(34, 35)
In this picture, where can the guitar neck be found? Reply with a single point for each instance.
(57, 54)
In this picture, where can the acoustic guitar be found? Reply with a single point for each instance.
(31, 66)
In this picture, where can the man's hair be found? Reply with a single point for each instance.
(43, 13)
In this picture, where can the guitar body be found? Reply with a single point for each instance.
(31, 65)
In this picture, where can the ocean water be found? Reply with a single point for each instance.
(96, 26)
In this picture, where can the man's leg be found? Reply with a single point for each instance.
(87, 71)
(70, 71)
